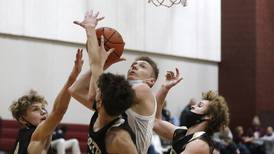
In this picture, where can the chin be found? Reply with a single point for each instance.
(131, 77)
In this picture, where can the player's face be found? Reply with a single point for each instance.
(36, 113)
(140, 70)
(200, 107)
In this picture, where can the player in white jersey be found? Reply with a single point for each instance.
(143, 74)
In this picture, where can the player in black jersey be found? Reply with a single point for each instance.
(38, 126)
(201, 121)
(108, 132)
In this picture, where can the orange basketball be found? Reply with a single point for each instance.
(112, 39)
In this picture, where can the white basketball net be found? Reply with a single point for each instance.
(167, 3)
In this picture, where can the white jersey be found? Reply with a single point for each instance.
(142, 126)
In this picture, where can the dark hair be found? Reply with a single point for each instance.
(218, 110)
(152, 64)
(19, 108)
(117, 94)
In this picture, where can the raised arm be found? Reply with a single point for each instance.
(79, 90)
(164, 128)
(97, 54)
(61, 103)
(172, 79)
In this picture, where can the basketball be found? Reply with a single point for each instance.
(112, 39)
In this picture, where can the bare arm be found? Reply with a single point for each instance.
(118, 139)
(164, 128)
(79, 90)
(60, 105)
(171, 81)
(196, 147)
(84, 90)
(97, 54)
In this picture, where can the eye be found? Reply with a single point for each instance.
(44, 110)
(35, 109)
(200, 104)
(133, 64)
(143, 66)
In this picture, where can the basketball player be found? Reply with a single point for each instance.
(142, 74)
(38, 126)
(108, 131)
(201, 121)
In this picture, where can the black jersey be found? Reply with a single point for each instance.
(96, 140)
(23, 140)
(180, 140)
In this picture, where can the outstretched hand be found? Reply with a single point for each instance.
(90, 20)
(78, 63)
(172, 79)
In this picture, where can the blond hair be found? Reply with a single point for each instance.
(18, 108)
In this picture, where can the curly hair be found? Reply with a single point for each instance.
(19, 108)
(152, 64)
(117, 94)
(218, 110)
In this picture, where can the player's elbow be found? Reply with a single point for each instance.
(74, 93)
(71, 90)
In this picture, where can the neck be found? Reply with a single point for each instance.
(103, 119)
(133, 82)
(196, 128)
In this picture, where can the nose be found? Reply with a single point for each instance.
(44, 111)
(134, 67)
(192, 107)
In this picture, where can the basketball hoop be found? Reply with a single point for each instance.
(167, 3)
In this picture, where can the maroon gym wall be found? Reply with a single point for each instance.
(246, 73)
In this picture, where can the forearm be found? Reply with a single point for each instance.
(80, 90)
(63, 98)
(164, 129)
(97, 71)
(92, 45)
(160, 97)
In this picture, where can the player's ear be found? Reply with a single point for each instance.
(207, 117)
(99, 104)
(150, 82)
(22, 121)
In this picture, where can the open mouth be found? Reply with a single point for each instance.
(44, 118)
(131, 72)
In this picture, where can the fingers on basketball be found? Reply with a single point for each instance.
(111, 39)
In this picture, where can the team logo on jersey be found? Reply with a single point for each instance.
(93, 147)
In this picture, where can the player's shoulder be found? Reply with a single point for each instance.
(117, 134)
(117, 139)
(117, 131)
(197, 146)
